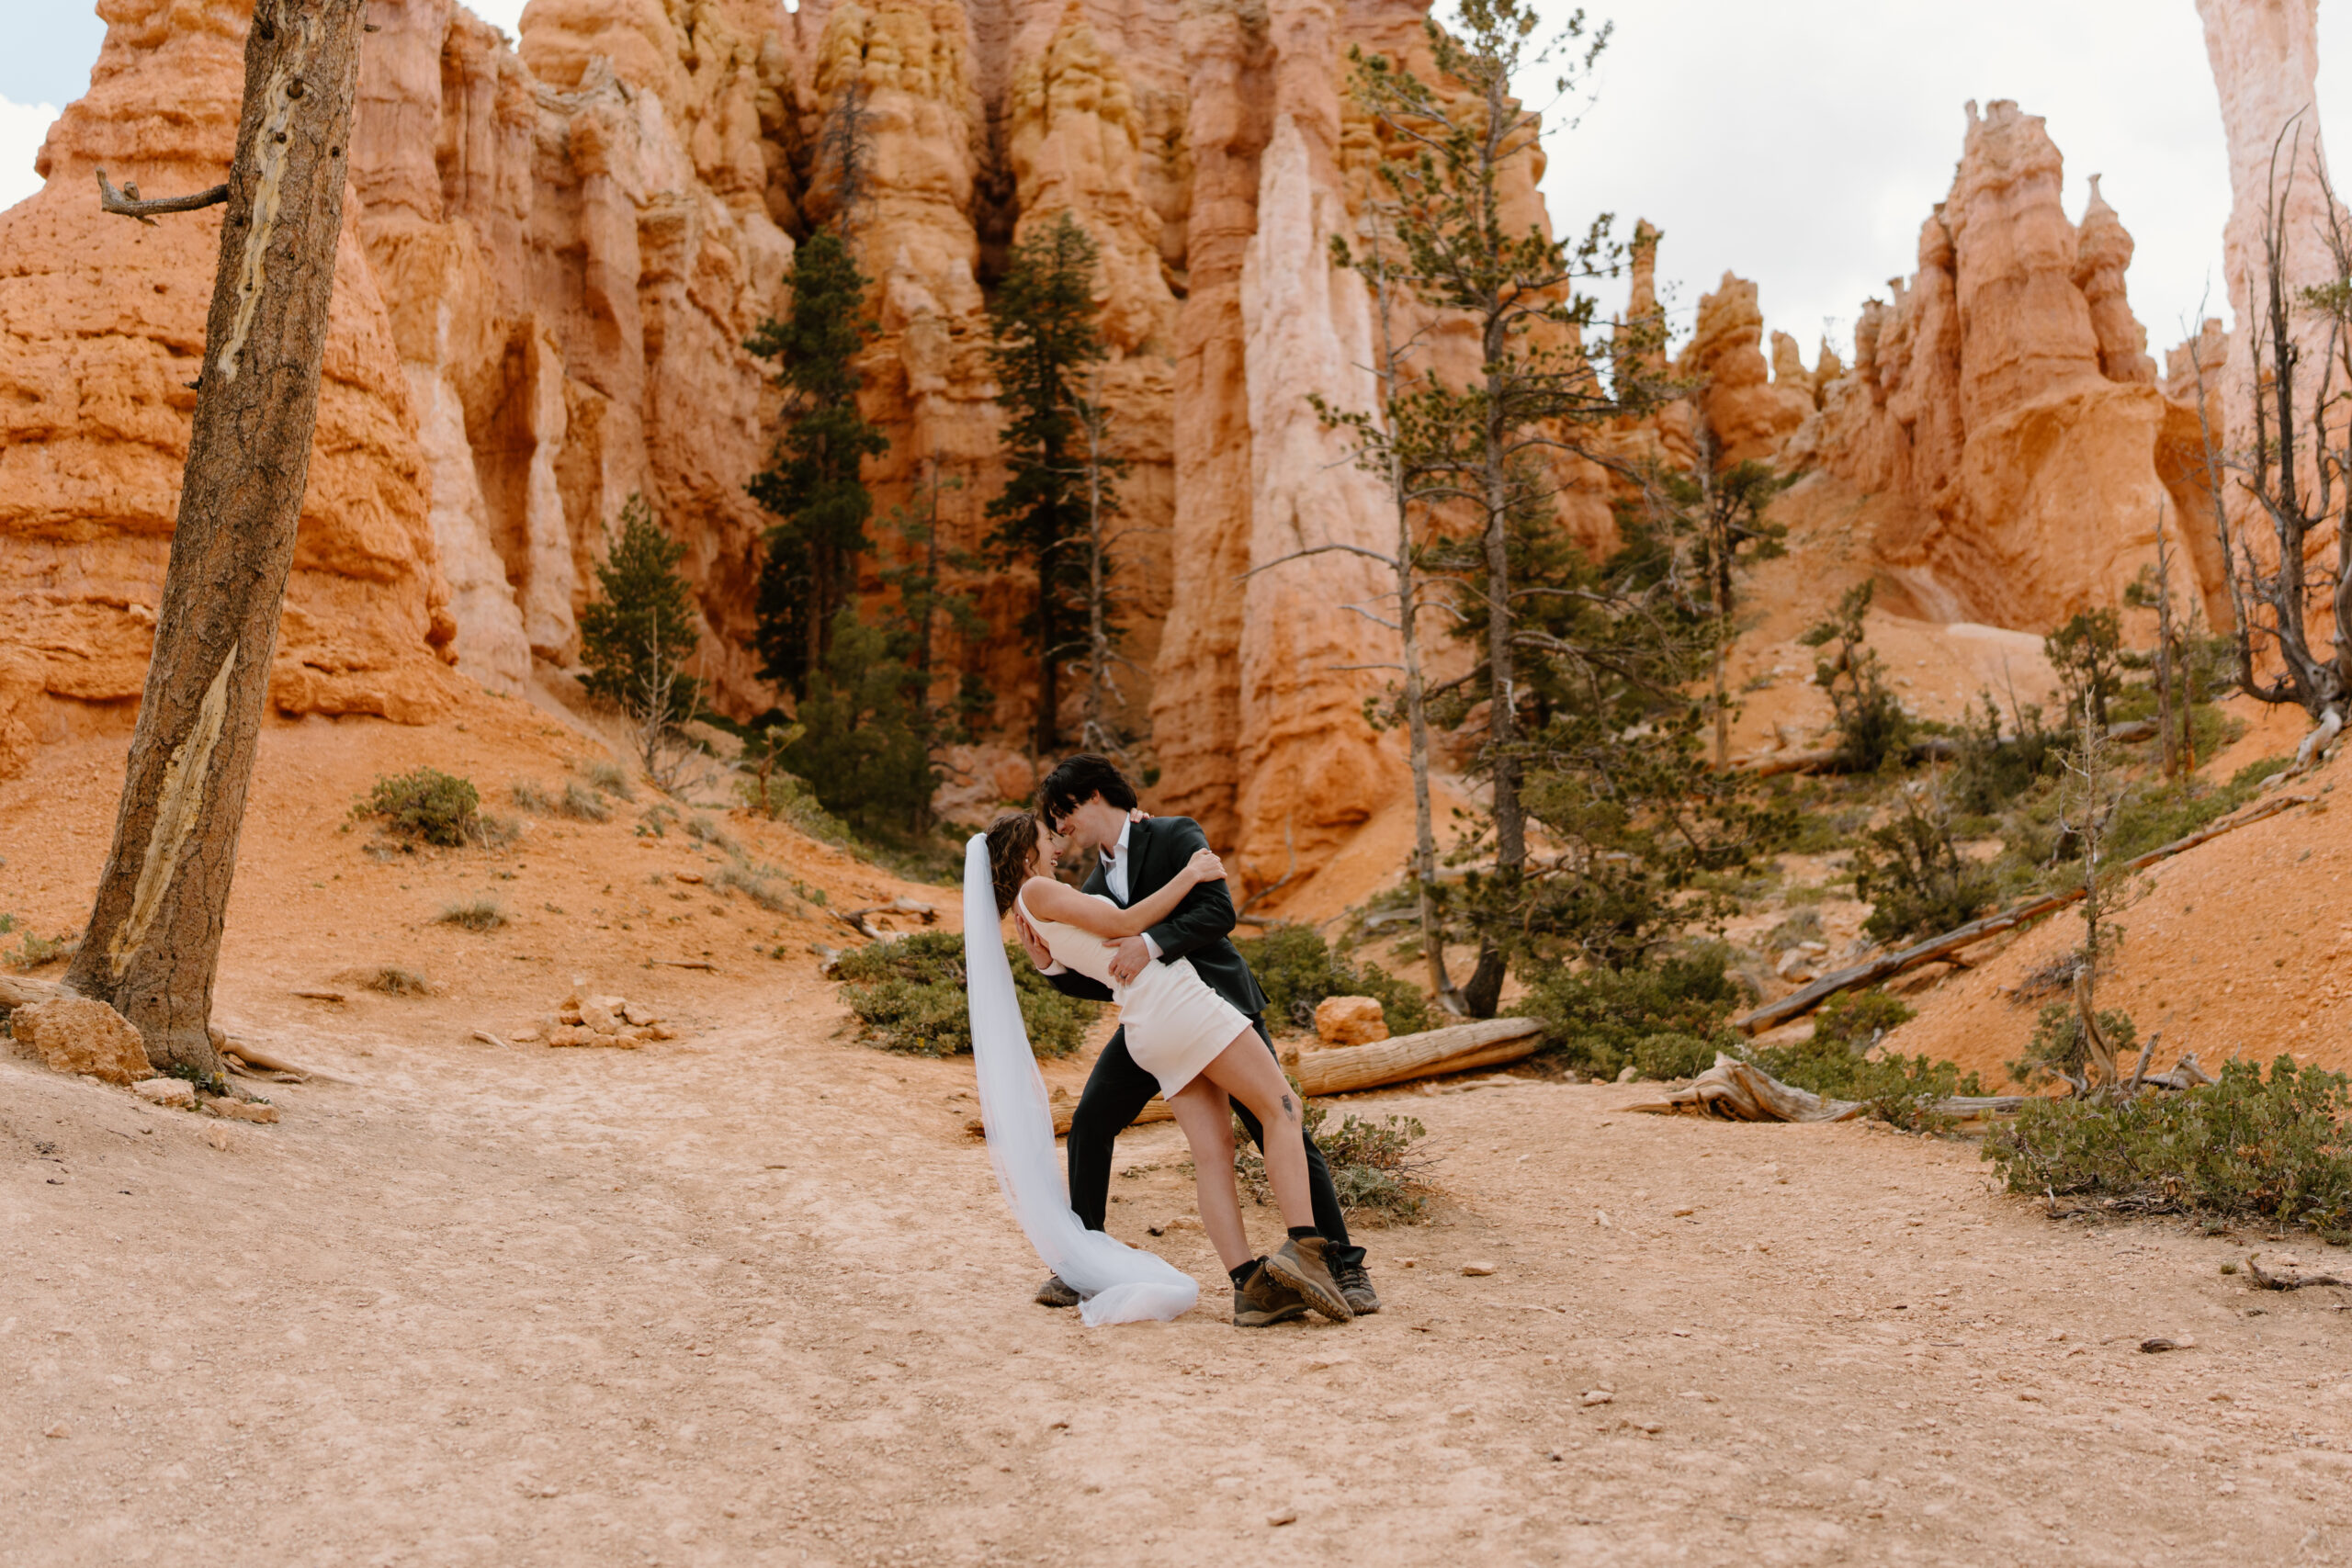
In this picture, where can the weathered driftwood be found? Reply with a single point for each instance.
(1886, 967)
(2266, 1282)
(1459, 1049)
(1734, 1090)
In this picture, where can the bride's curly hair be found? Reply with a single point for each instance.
(1013, 843)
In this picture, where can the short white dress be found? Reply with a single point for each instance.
(1176, 1023)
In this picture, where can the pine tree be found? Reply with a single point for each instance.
(925, 598)
(1043, 320)
(863, 747)
(814, 483)
(638, 632)
(1491, 441)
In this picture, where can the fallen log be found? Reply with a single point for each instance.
(1886, 967)
(1455, 1049)
(1733, 1090)
(1430, 1054)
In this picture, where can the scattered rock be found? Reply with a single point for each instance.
(59, 1430)
(637, 1013)
(690, 877)
(1628, 1074)
(604, 1021)
(1181, 1223)
(77, 1034)
(176, 1092)
(218, 1138)
(1281, 1517)
(1599, 1396)
(243, 1110)
(2158, 1346)
(1350, 1021)
(595, 1015)
(1477, 1268)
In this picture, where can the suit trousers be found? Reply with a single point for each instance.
(1118, 1091)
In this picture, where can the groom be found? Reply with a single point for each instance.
(1089, 802)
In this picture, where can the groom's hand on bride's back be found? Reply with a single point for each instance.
(1030, 943)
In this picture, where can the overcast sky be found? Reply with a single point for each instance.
(1798, 142)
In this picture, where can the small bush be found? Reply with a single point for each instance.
(909, 996)
(428, 807)
(1857, 1019)
(1670, 1056)
(473, 914)
(1835, 1063)
(2059, 1050)
(1600, 1020)
(1297, 969)
(583, 804)
(769, 892)
(702, 830)
(36, 952)
(528, 796)
(393, 981)
(1373, 1169)
(609, 777)
(2271, 1149)
(1918, 883)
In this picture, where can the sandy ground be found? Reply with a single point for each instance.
(751, 1296)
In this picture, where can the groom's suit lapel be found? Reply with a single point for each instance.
(1100, 880)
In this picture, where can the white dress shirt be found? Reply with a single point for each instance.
(1114, 877)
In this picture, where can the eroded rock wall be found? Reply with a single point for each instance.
(101, 332)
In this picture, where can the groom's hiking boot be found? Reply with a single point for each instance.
(1299, 1265)
(1054, 1293)
(1261, 1301)
(1355, 1286)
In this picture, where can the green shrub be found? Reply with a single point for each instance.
(909, 996)
(1918, 883)
(583, 804)
(2059, 1050)
(2274, 1150)
(1373, 1169)
(1900, 1089)
(1856, 1018)
(1599, 1021)
(528, 796)
(1670, 1056)
(1297, 969)
(427, 806)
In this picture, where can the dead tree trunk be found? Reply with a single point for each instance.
(154, 933)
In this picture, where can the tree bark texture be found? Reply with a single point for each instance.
(155, 934)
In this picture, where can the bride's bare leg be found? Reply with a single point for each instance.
(1207, 1120)
(1247, 1071)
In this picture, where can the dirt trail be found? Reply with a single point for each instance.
(750, 1297)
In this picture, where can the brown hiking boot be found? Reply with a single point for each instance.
(1260, 1301)
(1355, 1285)
(1299, 1265)
(1054, 1293)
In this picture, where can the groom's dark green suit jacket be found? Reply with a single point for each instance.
(1199, 930)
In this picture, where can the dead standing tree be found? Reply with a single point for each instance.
(153, 940)
(2298, 472)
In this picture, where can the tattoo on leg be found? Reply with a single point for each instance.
(1288, 1109)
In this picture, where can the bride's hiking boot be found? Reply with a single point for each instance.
(1054, 1293)
(1299, 1265)
(1355, 1286)
(1260, 1301)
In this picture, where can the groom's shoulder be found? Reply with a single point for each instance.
(1175, 828)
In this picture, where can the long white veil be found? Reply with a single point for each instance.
(1120, 1284)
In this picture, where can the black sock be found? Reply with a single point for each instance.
(1301, 1233)
(1241, 1274)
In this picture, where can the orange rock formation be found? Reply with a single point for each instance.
(2005, 395)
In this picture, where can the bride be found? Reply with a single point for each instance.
(1195, 1043)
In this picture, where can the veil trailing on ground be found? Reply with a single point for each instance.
(1120, 1284)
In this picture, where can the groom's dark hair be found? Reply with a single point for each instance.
(1075, 780)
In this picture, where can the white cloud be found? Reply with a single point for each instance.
(22, 126)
